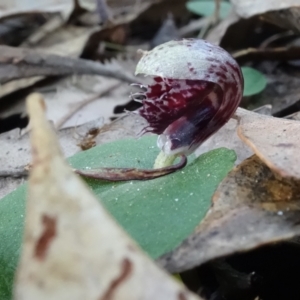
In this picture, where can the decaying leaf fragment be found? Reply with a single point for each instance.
(72, 248)
(274, 140)
(282, 13)
(249, 8)
(252, 207)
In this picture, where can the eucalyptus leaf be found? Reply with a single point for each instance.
(207, 8)
(254, 81)
(158, 213)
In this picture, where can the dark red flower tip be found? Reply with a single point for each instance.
(196, 88)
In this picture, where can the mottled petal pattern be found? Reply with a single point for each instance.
(196, 87)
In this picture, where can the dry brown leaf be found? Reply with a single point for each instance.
(65, 7)
(287, 18)
(68, 40)
(72, 248)
(75, 100)
(53, 23)
(249, 8)
(15, 85)
(274, 140)
(71, 106)
(294, 116)
(281, 13)
(83, 99)
(252, 207)
(122, 12)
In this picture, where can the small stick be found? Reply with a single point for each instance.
(103, 11)
(14, 173)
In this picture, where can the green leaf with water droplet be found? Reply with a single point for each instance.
(207, 8)
(254, 81)
(157, 213)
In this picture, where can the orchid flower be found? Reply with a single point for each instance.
(196, 88)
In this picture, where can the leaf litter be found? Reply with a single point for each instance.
(257, 204)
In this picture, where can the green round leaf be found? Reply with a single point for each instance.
(157, 213)
(255, 81)
(207, 8)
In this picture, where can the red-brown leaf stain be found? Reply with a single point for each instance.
(126, 269)
(181, 296)
(48, 234)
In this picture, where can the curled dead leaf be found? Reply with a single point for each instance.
(124, 174)
(274, 140)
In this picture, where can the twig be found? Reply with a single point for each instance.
(103, 11)
(21, 62)
(276, 37)
(14, 173)
(213, 20)
(206, 27)
(217, 11)
(280, 53)
(193, 26)
(53, 24)
(83, 103)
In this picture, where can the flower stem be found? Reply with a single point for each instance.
(163, 160)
